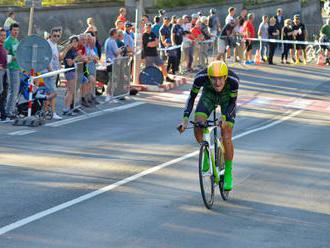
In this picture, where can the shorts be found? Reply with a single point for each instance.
(248, 45)
(208, 103)
(84, 80)
(91, 67)
(231, 42)
(300, 46)
(151, 61)
(50, 83)
(70, 75)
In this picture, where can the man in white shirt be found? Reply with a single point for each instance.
(230, 16)
(54, 65)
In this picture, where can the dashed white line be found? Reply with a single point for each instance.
(22, 132)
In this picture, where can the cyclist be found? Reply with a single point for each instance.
(220, 87)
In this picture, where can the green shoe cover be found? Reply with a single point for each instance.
(228, 185)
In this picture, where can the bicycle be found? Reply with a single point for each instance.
(214, 175)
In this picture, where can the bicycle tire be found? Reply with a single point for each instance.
(208, 197)
(224, 193)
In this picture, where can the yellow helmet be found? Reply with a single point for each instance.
(217, 69)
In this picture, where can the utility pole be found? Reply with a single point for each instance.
(31, 18)
(138, 41)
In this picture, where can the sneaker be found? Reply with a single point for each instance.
(56, 116)
(168, 79)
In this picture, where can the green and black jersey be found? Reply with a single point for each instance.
(210, 99)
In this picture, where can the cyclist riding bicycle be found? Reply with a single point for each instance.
(220, 87)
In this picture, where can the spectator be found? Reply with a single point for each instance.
(194, 19)
(173, 22)
(300, 34)
(231, 15)
(3, 83)
(197, 37)
(279, 22)
(151, 57)
(111, 52)
(50, 82)
(273, 33)
(84, 87)
(263, 34)
(204, 28)
(121, 44)
(249, 32)
(177, 39)
(11, 45)
(226, 39)
(279, 19)
(91, 53)
(156, 27)
(111, 48)
(186, 23)
(144, 20)
(325, 36)
(214, 23)
(188, 49)
(287, 34)
(11, 19)
(93, 29)
(122, 15)
(165, 35)
(120, 25)
(70, 58)
(244, 14)
(128, 39)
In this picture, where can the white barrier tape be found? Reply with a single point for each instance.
(291, 42)
(169, 48)
(52, 73)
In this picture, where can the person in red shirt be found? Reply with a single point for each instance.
(249, 32)
(122, 15)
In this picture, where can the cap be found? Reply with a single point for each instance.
(128, 24)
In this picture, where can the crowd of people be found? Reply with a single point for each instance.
(172, 43)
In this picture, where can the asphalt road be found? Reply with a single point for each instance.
(281, 172)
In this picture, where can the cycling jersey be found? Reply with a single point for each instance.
(210, 99)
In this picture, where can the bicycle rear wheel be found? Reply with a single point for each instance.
(206, 178)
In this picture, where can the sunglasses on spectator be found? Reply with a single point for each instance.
(56, 35)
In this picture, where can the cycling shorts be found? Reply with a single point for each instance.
(210, 101)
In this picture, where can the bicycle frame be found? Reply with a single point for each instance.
(213, 156)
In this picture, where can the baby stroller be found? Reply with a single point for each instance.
(38, 111)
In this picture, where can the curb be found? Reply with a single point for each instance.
(161, 88)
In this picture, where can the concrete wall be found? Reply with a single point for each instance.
(73, 19)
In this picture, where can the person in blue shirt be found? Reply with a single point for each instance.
(111, 48)
(156, 27)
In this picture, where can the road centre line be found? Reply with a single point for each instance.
(22, 132)
(37, 216)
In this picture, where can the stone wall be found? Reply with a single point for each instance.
(73, 19)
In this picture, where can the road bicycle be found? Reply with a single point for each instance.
(211, 162)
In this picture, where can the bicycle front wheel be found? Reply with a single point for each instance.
(206, 177)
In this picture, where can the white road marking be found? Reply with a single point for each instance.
(37, 216)
(22, 132)
(94, 114)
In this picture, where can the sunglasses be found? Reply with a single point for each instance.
(56, 35)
